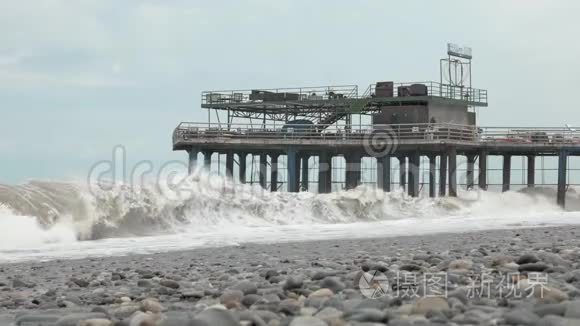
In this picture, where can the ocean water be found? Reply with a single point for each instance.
(45, 220)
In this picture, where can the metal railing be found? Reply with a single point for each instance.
(430, 88)
(530, 135)
(187, 131)
(440, 131)
(325, 93)
(318, 93)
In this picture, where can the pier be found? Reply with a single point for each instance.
(404, 145)
(404, 127)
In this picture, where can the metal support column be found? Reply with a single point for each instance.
(562, 170)
(469, 173)
(384, 173)
(324, 173)
(443, 175)
(432, 175)
(402, 172)
(353, 171)
(506, 175)
(229, 164)
(242, 157)
(482, 179)
(452, 153)
(263, 170)
(305, 170)
(207, 160)
(274, 172)
(413, 179)
(531, 170)
(192, 162)
(292, 158)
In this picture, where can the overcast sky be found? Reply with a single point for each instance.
(78, 77)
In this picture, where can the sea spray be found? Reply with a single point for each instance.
(125, 211)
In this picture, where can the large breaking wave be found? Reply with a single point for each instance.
(43, 211)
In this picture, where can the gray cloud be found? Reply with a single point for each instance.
(82, 76)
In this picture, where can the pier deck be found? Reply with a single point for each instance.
(406, 142)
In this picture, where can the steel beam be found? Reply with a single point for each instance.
(274, 172)
(324, 173)
(531, 171)
(414, 162)
(562, 171)
(402, 172)
(443, 175)
(353, 171)
(506, 172)
(482, 178)
(452, 153)
(263, 170)
(384, 173)
(432, 176)
(242, 158)
(207, 160)
(192, 160)
(470, 171)
(230, 164)
(305, 170)
(293, 170)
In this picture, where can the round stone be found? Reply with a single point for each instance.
(322, 293)
(426, 304)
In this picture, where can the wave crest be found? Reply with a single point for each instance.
(213, 201)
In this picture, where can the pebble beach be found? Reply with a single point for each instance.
(505, 277)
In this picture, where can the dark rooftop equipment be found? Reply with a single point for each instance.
(403, 91)
(384, 89)
(418, 90)
(266, 96)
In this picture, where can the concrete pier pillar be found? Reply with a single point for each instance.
(274, 172)
(324, 173)
(263, 170)
(402, 172)
(230, 164)
(384, 173)
(452, 154)
(432, 175)
(305, 170)
(207, 160)
(242, 157)
(562, 170)
(353, 171)
(293, 170)
(469, 173)
(192, 160)
(482, 178)
(413, 179)
(443, 175)
(531, 170)
(506, 172)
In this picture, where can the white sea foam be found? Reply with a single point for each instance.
(48, 220)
